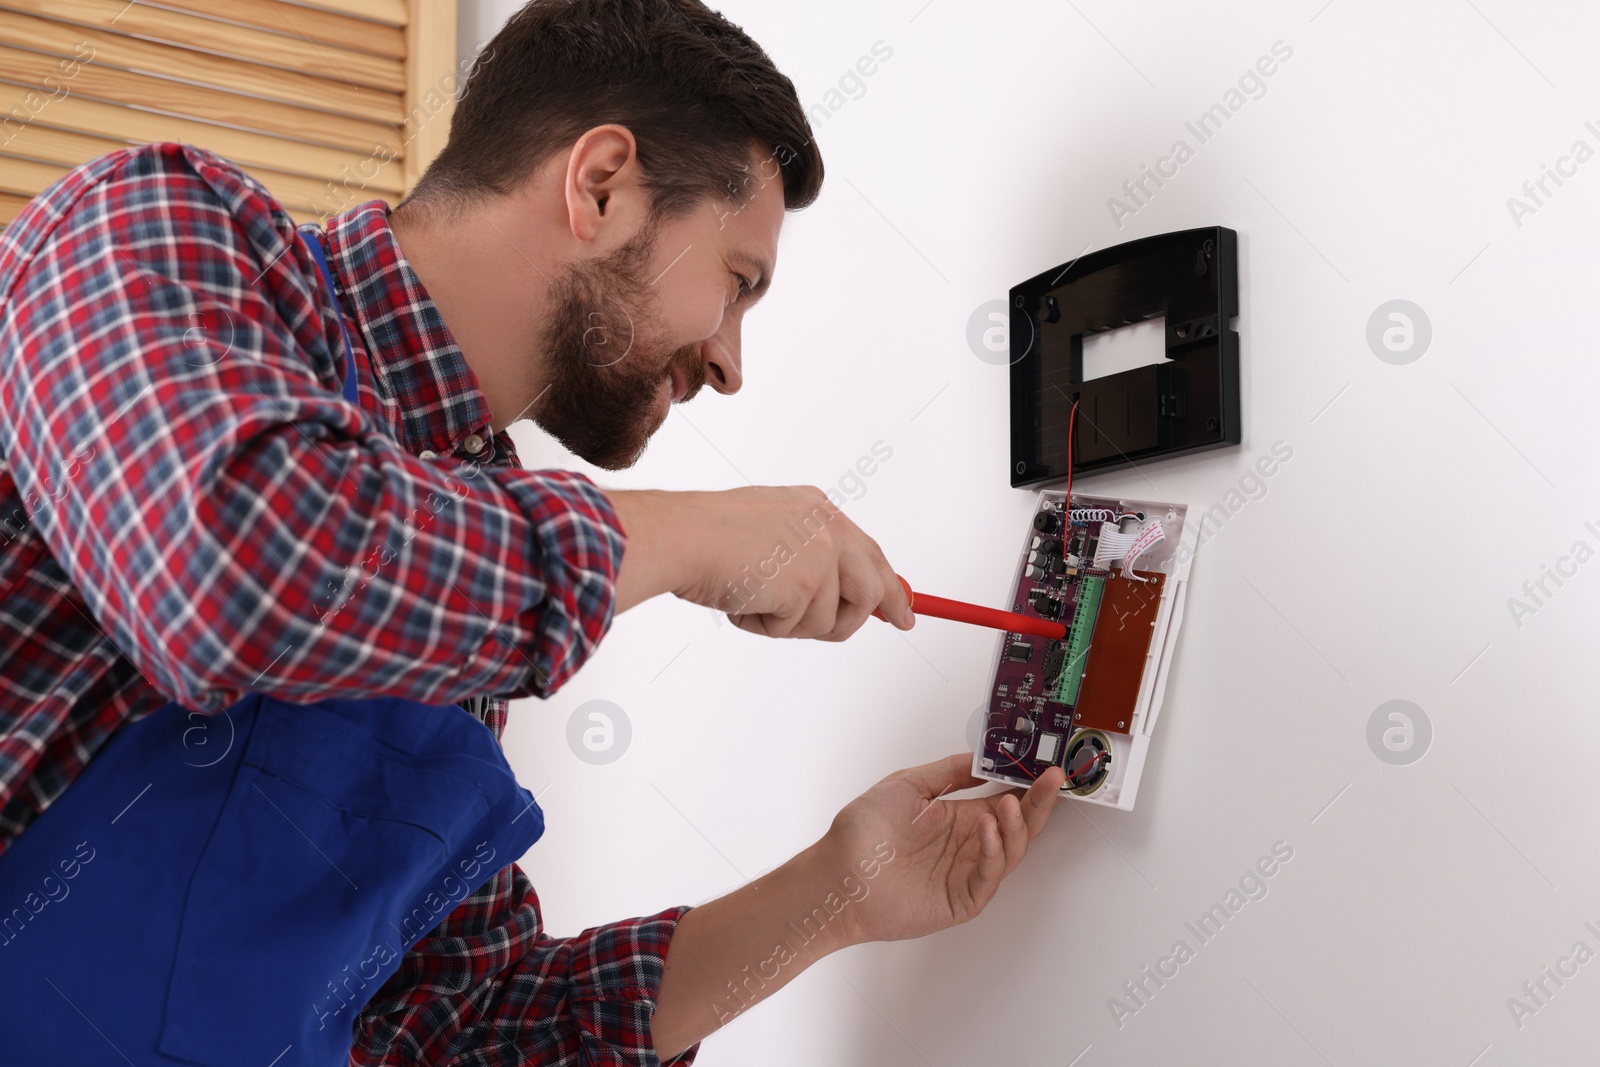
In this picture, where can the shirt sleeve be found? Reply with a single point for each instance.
(171, 387)
(488, 988)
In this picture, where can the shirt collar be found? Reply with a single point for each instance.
(414, 358)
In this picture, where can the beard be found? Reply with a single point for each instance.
(604, 365)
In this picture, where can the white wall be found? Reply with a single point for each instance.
(1376, 166)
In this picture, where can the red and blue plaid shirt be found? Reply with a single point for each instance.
(190, 510)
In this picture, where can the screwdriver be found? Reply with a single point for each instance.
(959, 611)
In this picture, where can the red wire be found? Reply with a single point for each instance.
(1019, 763)
(1073, 778)
(1072, 420)
(1066, 542)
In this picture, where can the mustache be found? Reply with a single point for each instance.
(687, 359)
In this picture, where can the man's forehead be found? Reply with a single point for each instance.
(758, 193)
(750, 227)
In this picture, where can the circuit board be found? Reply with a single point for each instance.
(1105, 570)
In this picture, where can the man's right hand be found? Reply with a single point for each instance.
(781, 561)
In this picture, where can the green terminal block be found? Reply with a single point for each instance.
(1078, 639)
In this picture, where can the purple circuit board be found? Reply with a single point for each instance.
(1032, 705)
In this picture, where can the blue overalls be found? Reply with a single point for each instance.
(231, 889)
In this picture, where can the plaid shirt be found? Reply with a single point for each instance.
(190, 510)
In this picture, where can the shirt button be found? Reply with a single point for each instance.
(428, 453)
(473, 443)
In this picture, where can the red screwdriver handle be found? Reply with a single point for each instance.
(960, 611)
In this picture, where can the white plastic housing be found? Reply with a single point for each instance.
(1173, 558)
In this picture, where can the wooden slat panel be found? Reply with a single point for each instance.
(23, 177)
(292, 53)
(314, 198)
(65, 147)
(306, 197)
(355, 76)
(389, 12)
(324, 27)
(11, 206)
(431, 41)
(109, 83)
(313, 161)
(114, 49)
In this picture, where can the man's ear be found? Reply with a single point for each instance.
(604, 186)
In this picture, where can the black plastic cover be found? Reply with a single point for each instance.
(1189, 403)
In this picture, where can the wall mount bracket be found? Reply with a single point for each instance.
(1187, 403)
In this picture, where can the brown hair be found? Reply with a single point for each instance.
(692, 87)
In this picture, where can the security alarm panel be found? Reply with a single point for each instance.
(1112, 571)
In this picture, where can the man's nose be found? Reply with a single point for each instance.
(721, 354)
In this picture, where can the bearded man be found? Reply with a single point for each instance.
(271, 571)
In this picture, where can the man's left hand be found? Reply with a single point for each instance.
(949, 856)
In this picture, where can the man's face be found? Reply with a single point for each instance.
(647, 326)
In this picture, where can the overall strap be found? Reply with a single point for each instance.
(313, 240)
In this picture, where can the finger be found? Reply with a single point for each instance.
(895, 603)
(786, 623)
(753, 624)
(852, 615)
(1013, 831)
(858, 597)
(889, 593)
(991, 865)
(1040, 799)
(941, 776)
(822, 612)
(766, 624)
